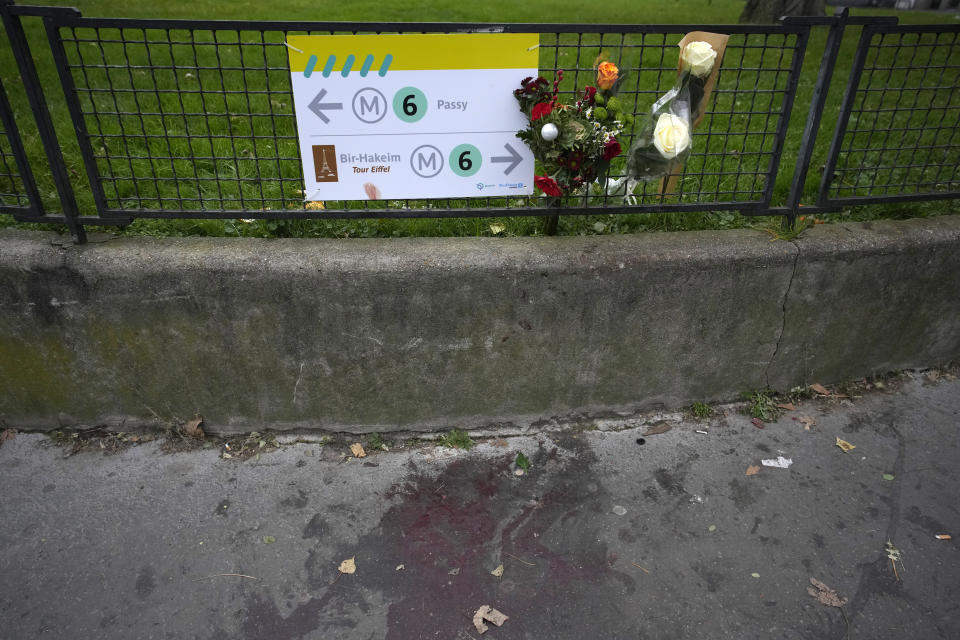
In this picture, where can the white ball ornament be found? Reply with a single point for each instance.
(549, 132)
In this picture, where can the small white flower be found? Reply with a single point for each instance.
(671, 136)
(699, 57)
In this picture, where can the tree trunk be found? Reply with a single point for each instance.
(767, 11)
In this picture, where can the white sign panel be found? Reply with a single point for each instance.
(412, 116)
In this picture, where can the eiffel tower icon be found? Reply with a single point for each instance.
(325, 170)
(325, 166)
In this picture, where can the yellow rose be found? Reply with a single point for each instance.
(607, 74)
(699, 57)
(671, 136)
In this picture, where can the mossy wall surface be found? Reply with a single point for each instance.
(433, 334)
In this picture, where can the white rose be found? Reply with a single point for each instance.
(699, 58)
(671, 136)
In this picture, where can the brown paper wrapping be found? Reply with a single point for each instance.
(718, 41)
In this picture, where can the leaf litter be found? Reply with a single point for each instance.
(824, 594)
(846, 446)
(489, 614)
(753, 470)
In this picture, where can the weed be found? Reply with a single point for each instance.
(376, 441)
(456, 439)
(762, 405)
(701, 410)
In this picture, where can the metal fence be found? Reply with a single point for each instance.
(18, 191)
(194, 118)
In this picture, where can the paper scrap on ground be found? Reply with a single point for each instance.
(846, 446)
(944, 536)
(498, 571)
(753, 470)
(357, 449)
(780, 462)
(490, 615)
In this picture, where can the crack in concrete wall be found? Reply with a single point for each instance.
(783, 307)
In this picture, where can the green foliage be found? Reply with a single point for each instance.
(376, 441)
(456, 439)
(762, 405)
(701, 410)
(522, 461)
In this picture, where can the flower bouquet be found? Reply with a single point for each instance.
(663, 140)
(574, 143)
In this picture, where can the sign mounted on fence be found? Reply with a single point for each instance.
(412, 116)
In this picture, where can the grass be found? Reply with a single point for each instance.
(701, 410)
(762, 405)
(203, 148)
(456, 439)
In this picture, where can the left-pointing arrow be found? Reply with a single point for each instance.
(319, 107)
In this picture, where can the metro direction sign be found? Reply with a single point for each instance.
(412, 116)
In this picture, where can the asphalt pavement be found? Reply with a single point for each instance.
(612, 532)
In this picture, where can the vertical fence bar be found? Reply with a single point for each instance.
(20, 155)
(851, 92)
(48, 134)
(830, 53)
(796, 64)
(76, 112)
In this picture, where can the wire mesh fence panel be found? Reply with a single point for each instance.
(897, 138)
(14, 192)
(183, 119)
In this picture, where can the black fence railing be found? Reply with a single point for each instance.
(195, 119)
(18, 191)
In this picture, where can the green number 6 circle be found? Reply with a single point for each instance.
(410, 104)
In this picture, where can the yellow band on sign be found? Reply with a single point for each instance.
(380, 54)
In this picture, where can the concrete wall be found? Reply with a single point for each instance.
(422, 334)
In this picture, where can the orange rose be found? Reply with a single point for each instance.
(607, 74)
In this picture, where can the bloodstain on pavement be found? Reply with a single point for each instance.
(545, 527)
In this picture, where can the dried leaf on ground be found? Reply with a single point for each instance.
(500, 443)
(314, 205)
(7, 434)
(758, 423)
(498, 571)
(348, 566)
(269, 539)
(825, 594)
(191, 428)
(656, 429)
(846, 446)
(490, 615)
(808, 422)
(787, 406)
(819, 389)
(357, 449)
(753, 470)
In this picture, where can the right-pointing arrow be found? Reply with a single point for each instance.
(317, 107)
(514, 159)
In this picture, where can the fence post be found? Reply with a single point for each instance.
(38, 104)
(830, 53)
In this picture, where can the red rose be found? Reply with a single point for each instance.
(540, 110)
(548, 185)
(611, 149)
